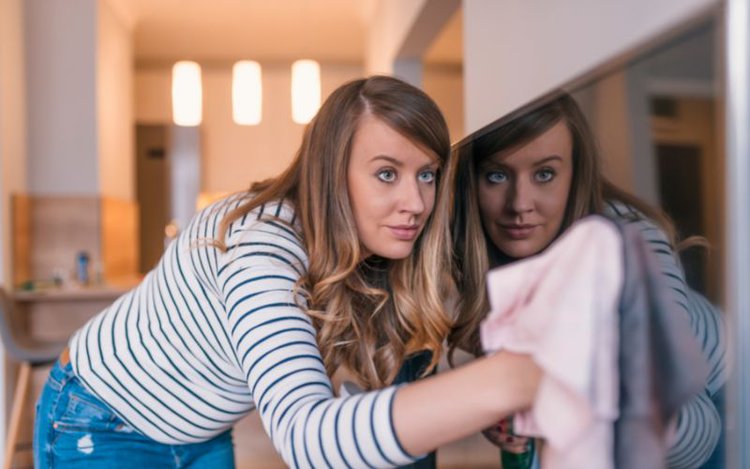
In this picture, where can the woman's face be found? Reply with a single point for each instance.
(523, 192)
(391, 184)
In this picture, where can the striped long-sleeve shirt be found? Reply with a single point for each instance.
(699, 423)
(208, 336)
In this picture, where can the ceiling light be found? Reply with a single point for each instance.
(247, 93)
(305, 90)
(187, 94)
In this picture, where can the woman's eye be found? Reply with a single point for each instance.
(387, 175)
(496, 177)
(545, 175)
(427, 177)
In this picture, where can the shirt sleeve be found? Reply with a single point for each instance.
(698, 422)
(275, 342)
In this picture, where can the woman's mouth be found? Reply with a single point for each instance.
(517, 231)
(404, 232)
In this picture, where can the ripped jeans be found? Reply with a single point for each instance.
(73, 428)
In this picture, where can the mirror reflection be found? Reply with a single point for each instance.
(640, 145)
(657, 123)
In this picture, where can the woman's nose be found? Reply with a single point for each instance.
(521, 198)
(411, 198)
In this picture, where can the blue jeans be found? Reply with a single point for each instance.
(73, 428)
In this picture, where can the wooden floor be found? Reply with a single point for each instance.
(253, 450)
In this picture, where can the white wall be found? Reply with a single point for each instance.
(400, 34)
(114, 104)
(234, 155)
(61, 76)
(390, 25)
(79, 58)
(152, 95)
(516, 50)
(445, 84)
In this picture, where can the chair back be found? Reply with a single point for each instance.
(8, 328)
(18, 344)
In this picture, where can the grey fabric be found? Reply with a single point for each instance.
(661, 364)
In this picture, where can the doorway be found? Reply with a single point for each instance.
(153, 189)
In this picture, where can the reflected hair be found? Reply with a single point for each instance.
(368, 315)
(473, 252)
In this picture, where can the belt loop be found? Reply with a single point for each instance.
(64, 357)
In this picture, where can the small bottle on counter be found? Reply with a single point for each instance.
(82, 267)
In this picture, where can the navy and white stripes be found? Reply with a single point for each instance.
(209, 335)
(699, 423)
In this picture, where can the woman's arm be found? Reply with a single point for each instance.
(276, 347)
(696, 434)
(436, 410)
(699, 423)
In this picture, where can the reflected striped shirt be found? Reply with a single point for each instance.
(208, 336)
(699, 423)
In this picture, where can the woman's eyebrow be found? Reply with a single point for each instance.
(387, 158)
(490, 162)
(548, 159)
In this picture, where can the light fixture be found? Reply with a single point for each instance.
(247, 93)
(187, 94)
(305, 90)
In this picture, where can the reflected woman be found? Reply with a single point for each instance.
(520, 186)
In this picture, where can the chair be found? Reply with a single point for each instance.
(30, 354)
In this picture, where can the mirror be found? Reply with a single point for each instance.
(656, 118)
(657, 123)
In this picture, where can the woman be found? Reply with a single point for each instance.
(265, 294)
(520, 186)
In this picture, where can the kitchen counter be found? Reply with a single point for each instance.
(55, 313)
(69, 294)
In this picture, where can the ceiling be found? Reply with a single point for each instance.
(326, 30)
(265, 30)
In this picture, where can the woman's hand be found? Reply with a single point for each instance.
(501, 436)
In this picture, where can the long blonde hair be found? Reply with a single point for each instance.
(369, 315)
(589, 190)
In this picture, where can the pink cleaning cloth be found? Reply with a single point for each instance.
(560, 307)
